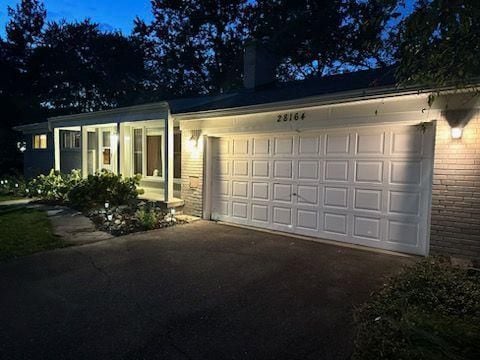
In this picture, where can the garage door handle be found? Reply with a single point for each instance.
(294, 194)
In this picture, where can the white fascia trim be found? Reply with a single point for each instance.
(321, 101)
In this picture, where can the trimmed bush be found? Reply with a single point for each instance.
(430, 311)
(105, 186)
(53, 187)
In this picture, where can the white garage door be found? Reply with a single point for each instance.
(368, 186)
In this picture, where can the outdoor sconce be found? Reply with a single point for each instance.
(21, 146)
(195, 137)
(456, 132)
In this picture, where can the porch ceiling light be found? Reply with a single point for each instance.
(456, 132)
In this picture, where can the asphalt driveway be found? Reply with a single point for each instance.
(197, 291)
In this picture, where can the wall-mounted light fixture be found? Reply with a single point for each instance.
(458, 119)
(195, 137)
(456, 132)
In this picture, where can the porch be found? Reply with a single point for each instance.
(127, 144)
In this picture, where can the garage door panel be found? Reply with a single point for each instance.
(406, 143)
(240, 146)
(335, 223)
(260, 213)
(221, 207)
(282, 215)
(335, 196)
(222, 168)
(370, 144)
(309, 146)
(308, 170)
(283, 146)
(240, 209)
(367, 227)
(260, 191)
(307, 195)
(222, 187)
(336, 170)
(307, 219)
(367, 199)
(363, 186)
(240, 167)
(261, 146)
(260, 168)
(240, 189)
(404, 233)
(282, 169)
(404, 202)
(404, 172)
(337, 144)
(369, 171)
(282, 192)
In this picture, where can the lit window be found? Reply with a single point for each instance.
(40, 141)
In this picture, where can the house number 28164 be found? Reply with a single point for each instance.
(291, 116)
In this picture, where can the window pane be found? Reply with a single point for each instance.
(106, 138)
(76, 140)
(137, 152)
(40, 141)
(154, 155)
(177, 156)
(43, 141)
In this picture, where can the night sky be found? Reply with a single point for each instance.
(110, 14)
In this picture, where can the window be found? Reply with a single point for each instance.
(40, 141)
(70, 139)
(148, 146)
(177, 155)
(107, 154)
(137, 151)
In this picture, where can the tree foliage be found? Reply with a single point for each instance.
(439, 43)
(315, 37)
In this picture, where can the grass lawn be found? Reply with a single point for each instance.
(25, 231)
(8, 197)
(430, 311)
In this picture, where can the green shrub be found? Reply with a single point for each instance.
(12, 186)
(55, 186)
(430, 311)
(95, 190)
(147, 217)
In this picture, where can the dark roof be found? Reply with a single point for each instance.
(359, 80)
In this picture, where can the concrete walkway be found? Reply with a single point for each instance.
(73, 227)
(196, 291)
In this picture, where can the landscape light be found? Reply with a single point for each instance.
(109, 217)
(107, 205)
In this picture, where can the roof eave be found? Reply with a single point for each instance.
(321, 100)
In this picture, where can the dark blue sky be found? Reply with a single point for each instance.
(111, 14)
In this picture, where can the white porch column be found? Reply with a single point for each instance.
(84, 151)
(168, 186)
(56, 143)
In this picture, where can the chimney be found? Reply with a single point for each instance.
(259, 65)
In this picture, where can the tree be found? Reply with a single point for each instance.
(81, 68)
(439, 43)
(197, 44)
(24, 30)
(317, 37)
